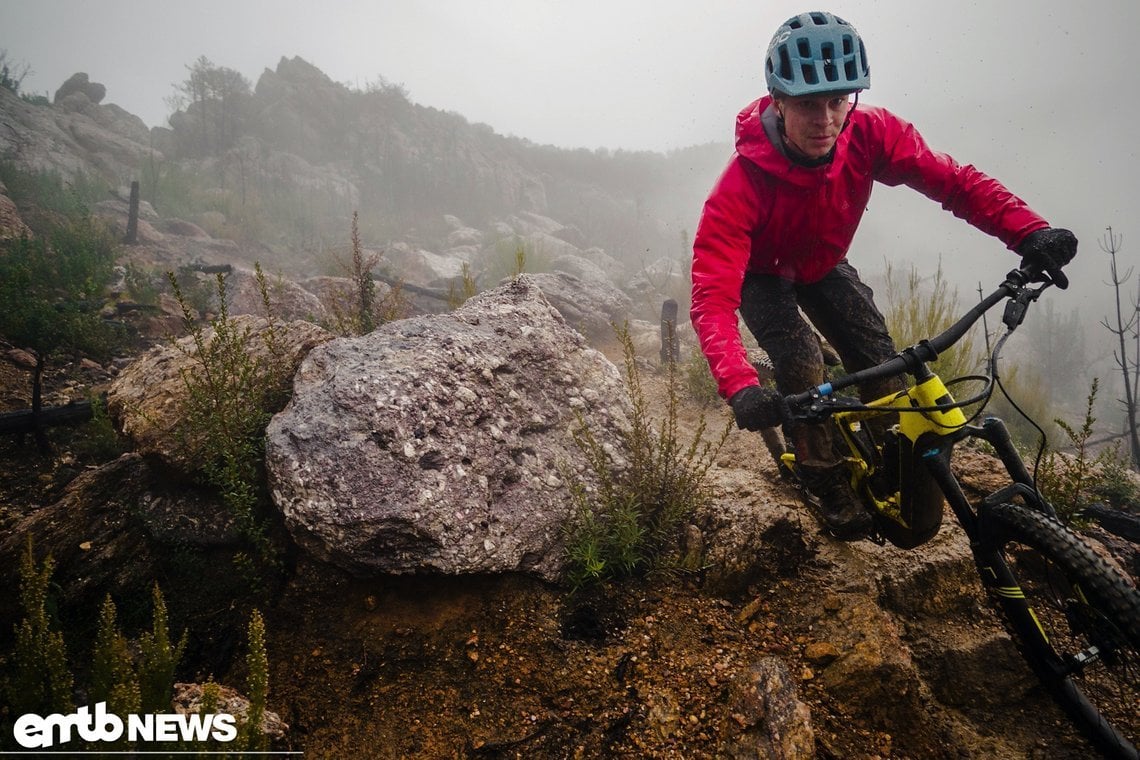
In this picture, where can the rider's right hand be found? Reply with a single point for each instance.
(756, 408)
(1050, 249)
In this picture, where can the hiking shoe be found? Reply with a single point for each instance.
(838, 507)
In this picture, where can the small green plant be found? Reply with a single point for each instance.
(98, 440)
(257, 685)
(40, 680)
(143, 285)
(158, 659)
(113, 678)
(632, 520)
(456, 297)
(130, 678)
(1070, 481)
(231, 393)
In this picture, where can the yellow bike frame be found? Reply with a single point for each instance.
(929, 393)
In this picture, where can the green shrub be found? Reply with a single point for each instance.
(456, 297)
(113, 678)
(230, 394)
(257, 685)
(40, 680)
(158, 659)
(52, 290)
(47, 190)
(130, 678)
(1071, 481)
(633, 519)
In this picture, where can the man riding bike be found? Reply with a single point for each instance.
(774, 233)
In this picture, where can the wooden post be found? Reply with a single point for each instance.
(132, 235)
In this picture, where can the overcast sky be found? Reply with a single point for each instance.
(1040, 94)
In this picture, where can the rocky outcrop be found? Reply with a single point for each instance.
(148, 400)
(79, 84)
(77, 135)
(442, 444)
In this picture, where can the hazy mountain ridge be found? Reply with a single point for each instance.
(302, 147)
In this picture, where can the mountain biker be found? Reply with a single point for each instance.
(774, 233)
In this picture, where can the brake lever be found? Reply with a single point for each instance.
(1016, 307)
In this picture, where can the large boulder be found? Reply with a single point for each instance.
(287, 299)
(441, 443)
(148, 400)
(79, 83)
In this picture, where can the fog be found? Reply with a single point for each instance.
(1038, 94)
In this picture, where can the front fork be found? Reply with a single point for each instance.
(993, 431)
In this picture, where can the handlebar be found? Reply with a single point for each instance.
(910, 360)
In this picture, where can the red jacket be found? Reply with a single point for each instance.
(766, 214)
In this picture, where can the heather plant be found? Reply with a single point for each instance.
(457, 296)
(48, 191)
(257, 685)
(360, 311)
(642, 496)
(113, 678)
(698, 379)
(158, 659)
(1072, 480)
(231, 391)
(40, 680)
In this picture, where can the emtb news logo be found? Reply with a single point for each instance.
(37, 732)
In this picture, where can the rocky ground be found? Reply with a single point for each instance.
(871, 651)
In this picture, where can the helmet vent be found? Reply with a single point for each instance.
(830, 70)
(819, 19)
(803, 47)
(809, 74)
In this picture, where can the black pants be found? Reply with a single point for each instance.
(842, 309)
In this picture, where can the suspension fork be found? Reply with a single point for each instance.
(996, 433)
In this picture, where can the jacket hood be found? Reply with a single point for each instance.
(754, 143)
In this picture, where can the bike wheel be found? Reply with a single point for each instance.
(1074, 619)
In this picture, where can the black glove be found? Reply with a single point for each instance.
(756, 408)
(1050, 249)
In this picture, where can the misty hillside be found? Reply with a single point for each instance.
(289, 159)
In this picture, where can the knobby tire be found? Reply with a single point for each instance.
(1075, 605)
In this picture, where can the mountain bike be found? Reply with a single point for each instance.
(1074, 618)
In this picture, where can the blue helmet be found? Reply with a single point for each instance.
(816, 53)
